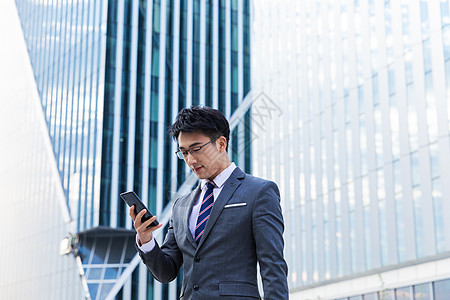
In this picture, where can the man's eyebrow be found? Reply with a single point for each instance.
(192, 145)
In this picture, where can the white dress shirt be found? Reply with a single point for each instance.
(219, 182)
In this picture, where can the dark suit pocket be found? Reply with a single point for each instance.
(235, 214)
(238, 288)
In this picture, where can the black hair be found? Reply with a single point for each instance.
(202, 119)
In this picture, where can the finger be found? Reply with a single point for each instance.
(132, 213)
(144, 225)
(158, 226)
(152, 228)
(138, 219)
(148, 222)
(141, 214)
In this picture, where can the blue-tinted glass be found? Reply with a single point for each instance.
(409, 72)
(130, 250)
(384, 247)
(135, 284)
(441, 289)
(353, 245)
(95, 273)
(436, 193)
(384, 295)
(403, 293)
(85, 249)
(391, 78)
(156, 16)
(415, 172)
(425, 23)
(115, 253)
(427, 56)
(367, 234)
(418, 224)
(93, 288)
(434, 160)
(400, 225)
(375, 93)
(422, 292)
(101, 246)
(106, 288)
(111, 273)
(372, 296)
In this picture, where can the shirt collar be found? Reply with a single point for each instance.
(223, 176)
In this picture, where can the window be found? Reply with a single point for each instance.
(403, 293)
(441, 289)
(422, 292)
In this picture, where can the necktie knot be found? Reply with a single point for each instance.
(210, 185)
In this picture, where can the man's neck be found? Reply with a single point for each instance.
(226, 164)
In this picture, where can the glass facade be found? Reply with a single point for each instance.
(435, 290)
(361, 147)
(33, 215)
(111, 77)
(106, 255)
(66, 45)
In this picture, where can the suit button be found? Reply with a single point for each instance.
(196, 287)
(196, 259)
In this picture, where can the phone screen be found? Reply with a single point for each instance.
(131, 199)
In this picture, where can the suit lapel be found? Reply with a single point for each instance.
(194, 195)
(227, 192)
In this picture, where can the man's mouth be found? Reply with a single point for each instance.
(197, 169)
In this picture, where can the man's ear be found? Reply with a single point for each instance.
(222, 142)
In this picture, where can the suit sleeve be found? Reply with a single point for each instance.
(164, 262)
(268, 227)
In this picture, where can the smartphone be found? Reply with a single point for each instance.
(131, 199)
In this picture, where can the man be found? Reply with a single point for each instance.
(220, 230)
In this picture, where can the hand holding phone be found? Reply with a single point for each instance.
(131, 199)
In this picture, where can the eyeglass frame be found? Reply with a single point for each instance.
(180, 155)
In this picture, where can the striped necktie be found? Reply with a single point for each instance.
(205, 210)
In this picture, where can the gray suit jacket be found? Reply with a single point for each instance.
(245, 227)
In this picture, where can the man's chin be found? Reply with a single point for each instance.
(199, 173)
(201, 176)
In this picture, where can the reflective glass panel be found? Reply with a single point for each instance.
(441, 289)
(372, 296)
(403, 293)
(111, 273)
(422, 292)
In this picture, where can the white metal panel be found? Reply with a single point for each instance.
(202, 50)
(132, 102)
(215, 58)
(227, 111)
(175, 89)
(161, 111)
(189, 57)
(117, 113)
(147, 99)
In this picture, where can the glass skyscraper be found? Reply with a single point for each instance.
(358, 140)
(109, 78)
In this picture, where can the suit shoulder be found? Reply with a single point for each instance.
(259, 183)
(182, 199)
(257, 180)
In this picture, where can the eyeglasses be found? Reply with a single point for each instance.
(193, 151)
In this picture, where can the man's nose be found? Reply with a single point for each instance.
(190, 159)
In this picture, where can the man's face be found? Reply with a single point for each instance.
(206, 163)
